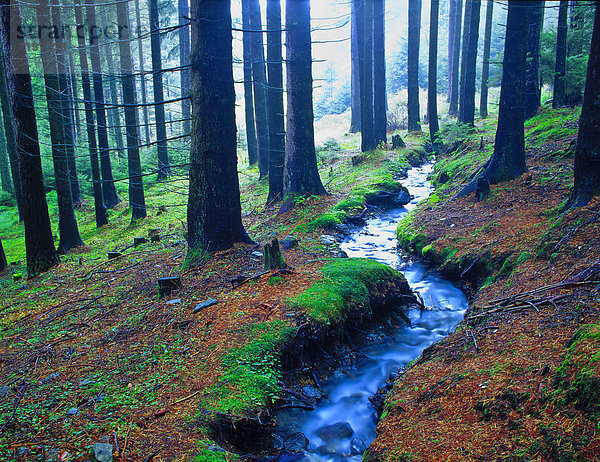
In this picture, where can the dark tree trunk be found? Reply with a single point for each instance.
(508, 160)
(214, 211)
(39, 244)
(467, 108)
(414, 34)
(74, 92)
(66, 98)
(7, 185)
(366, 80)
(3, 262)
(463, 58)
(164, 169)
(260, 88)
(432, 111)
(587, 152)
(354, 70)
(137, 200)
(301, 175)
(99, 207)
(108, 186)
(379, 90)
(248, 93)
(67, 224)
(275, 98)
(485, 69)
(142, 71)
(532, 73)
(451, 28)
(453, 109)
(184, 60)
(560, 66)
(9, 132)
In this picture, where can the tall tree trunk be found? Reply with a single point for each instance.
(137, 200)
(532, 73)
(260, 88)
(164, 169)
(184, 60)
(453, 109)
(9, 132)
(66, 98)
(463, 58)
(451, 28)
(7, 185)
(301, 175)
(379, 89)
(560, 66)
(3, 262)
(414, 34)
(366, 80)
(354, 69)
(39, 244)
(214, 210)
(587, 151)
(434, 127)
(108, 186)
(485, 68)
(74, 91)
(248, 93)
(275, 98)
(467, 108)
(67, 224)
(140, 47)
(99, 207)
(508, 160)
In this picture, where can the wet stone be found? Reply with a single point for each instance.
(357, 447)
(205, 304)
(327, 239)
(336, 431)
(103, 452)
(288, 242)
(342, 229)
(296, 442)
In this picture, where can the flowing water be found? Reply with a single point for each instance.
(343, 422)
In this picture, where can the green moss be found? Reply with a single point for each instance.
(409, 238)
(327, 220)
(549, 125)
(204, 454)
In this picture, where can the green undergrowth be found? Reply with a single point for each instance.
(252, 373)
(552, 125)
(209, 453)
(409, 237)
(346, 290)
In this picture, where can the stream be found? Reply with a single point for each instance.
(342, 425)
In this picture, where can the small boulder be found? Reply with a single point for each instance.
(103, 452)
(288, 242)
(336, 431)
(357, 447)
(205, 304)
(296, 442)
(327, 239)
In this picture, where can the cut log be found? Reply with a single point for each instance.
(168, 285)
(153, 232)
(272, 256)
(17, 277)
(155, 238)
(139, 241)
(113, 255)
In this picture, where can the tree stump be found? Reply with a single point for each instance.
(357, 160)
(168, 285)
(113, 255)
(272, 256)
(155, 238)
(397, 142)
(139, 241)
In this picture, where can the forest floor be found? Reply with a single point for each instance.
(89, 353)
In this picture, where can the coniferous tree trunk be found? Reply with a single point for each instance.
(354, 69)
(137, 201)
(366, 80)
(485, 68)
(184, 60)
(3, 262)
(275, 98)
(7, 185)
(379, 88)
(164, 169)
(532, 75)
(453, 109)
(67, 224)
(414, 33)
(587, 151)
(467, 108)
(434, 127)
(140, 47)
(259, 87)
(560, 66)
(508, 160)
(99, 207)
(248, 92)
(463, 57)
(214, 210)
(9, 132)
(66, 98)
(451, 28)
(108, 186)
(301, 175)
(39, 244)
(74, 92)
